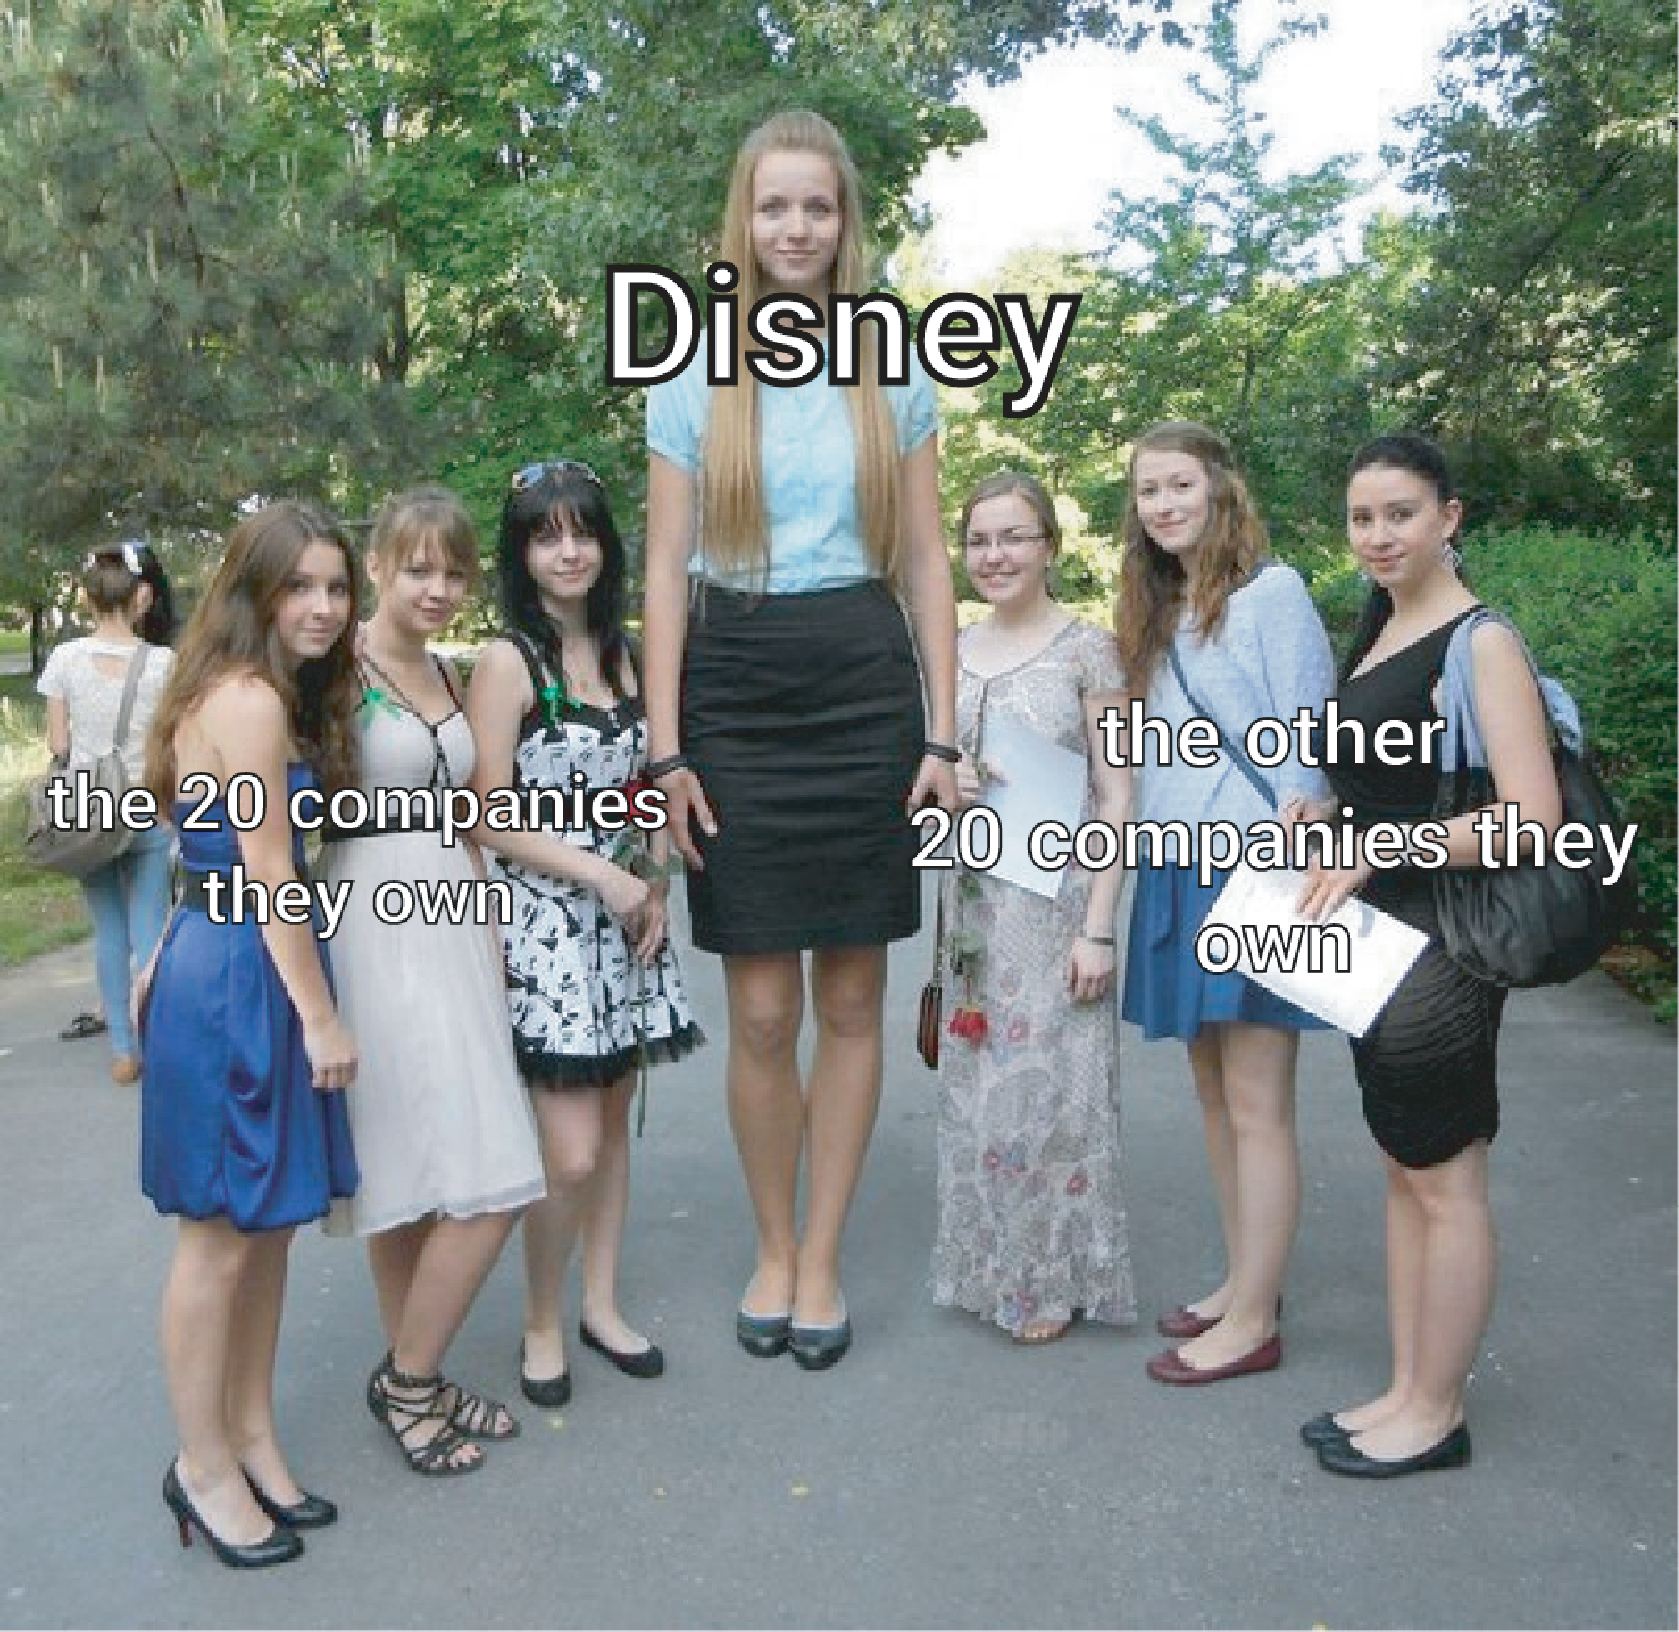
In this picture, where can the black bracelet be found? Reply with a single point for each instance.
(655, 768)
(943, 750)
(1097, 940)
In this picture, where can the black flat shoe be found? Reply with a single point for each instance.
(1323, 1429)
(309, 1513)
(648, 1362)
(815, 1348)
(1451, 1452)
(279, 1546)
(762, 1336)
(548, 1392)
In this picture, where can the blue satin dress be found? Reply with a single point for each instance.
(231, 1125)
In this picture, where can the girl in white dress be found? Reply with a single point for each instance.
(442, 1124)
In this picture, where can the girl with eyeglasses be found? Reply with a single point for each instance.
(443, 1129)
(1031, 1228)
(786, 715)
(84, 682)
(595, 993)
(1210, 627)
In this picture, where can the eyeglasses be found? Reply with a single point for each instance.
(1010, 538)
(527, 476)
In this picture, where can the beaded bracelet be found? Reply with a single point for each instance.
(942, 750)
(656, 768)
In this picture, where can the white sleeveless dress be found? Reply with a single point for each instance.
(441, 1119)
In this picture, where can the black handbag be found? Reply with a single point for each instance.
(1527, 925)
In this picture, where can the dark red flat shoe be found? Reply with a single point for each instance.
(1183, 1323)
(1171, 1367)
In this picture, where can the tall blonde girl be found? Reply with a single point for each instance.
(792, 727)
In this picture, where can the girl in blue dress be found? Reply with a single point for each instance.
(243, 1133)
(791, 717)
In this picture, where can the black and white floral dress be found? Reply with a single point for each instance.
(583, 1005)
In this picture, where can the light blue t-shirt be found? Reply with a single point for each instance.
(810, 493)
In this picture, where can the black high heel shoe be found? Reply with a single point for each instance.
(279, 1546)
(308, 1513)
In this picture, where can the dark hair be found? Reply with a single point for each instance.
(159, 623)
(1399, 450)
(115, 571)
(564, 493)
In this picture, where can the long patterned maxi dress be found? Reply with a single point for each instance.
(1032, 1220)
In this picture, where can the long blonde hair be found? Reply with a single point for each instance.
(732, 506)
(1153, 585)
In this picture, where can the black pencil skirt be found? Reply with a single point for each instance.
(802, 716)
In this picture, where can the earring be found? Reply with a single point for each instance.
(1452, 556)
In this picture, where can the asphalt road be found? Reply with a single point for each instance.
(940, 1476)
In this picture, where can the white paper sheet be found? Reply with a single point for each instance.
(1041, 782)
(1383, 948)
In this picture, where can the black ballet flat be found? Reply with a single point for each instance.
(1453, 1451)
(308, 1513)
(648, 1362)
(280, 1546)
(550, 1393)
(1323, 1429)
(762, 1336)
(815, 1348)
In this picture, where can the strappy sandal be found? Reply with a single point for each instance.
(476, 1416)
(392, 1394)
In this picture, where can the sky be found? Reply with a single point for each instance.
(1055, 148)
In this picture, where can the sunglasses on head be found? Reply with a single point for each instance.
(527, 476)
(127, 552)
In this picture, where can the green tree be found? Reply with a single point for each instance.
(183, 325)
(1541, 343)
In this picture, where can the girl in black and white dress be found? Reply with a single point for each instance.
(592, 983)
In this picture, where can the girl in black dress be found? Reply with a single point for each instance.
(1427, 1068)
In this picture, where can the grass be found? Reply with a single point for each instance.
(39, 911)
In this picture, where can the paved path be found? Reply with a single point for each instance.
(940, 1476)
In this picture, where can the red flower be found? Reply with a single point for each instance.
(968, 1024)
(632, 788)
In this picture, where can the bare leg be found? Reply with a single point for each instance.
(1459, 1271)
(848, 986)
(200, 1311)
(457, 1256)
(254, 1342)
(1406, 1237)
(603, 1228)
(1206, 1067)
(569, 1122)
(1258, 1072)
(767, 1112)
(392, 1256)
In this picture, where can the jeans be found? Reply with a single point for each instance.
(129, 900)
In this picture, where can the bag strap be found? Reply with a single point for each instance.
(130, 686)
(1237, 758)
(1463, 745)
